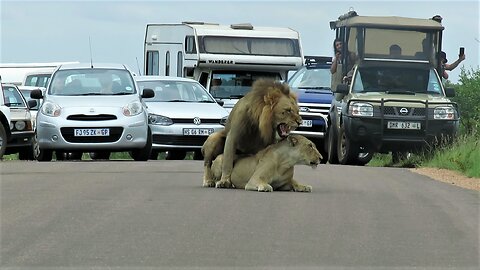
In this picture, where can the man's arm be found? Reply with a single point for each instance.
(455, 64)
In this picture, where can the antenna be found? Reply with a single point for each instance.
(138, 66)
(91, 58)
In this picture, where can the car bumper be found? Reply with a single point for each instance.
(318, 128)
(126, 133)
(371, 132)
(19, 140)
(172, 137)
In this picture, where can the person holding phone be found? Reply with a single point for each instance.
(452, 66)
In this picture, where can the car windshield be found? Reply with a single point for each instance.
(85, 82)
(311, 78)
(13, 98)
(235, 84)
(397, 80)
(176, 91)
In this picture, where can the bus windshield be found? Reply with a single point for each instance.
(235, 84)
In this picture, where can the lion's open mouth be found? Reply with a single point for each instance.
(314, 163)
(283, 130)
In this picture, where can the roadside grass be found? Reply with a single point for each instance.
(463, 155)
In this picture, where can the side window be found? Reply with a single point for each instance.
(152, 63)
(190, 46)
(167, 63)
(203, 79)
(179, 64)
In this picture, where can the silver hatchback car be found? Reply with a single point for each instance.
(92, 108)
(181, 115)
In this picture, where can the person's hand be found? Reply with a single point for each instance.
(461, 57)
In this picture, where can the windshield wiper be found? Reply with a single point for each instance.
(89, 94)
(8, 104)
(400, 92)
(236, 96)
(315, 87)
(121, 94)
(177, 100)
(205, 101)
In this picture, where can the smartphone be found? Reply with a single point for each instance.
(462, 51)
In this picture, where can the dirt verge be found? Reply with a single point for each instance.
(450, 177)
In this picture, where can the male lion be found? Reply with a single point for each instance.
(263, 116)
(272, 168)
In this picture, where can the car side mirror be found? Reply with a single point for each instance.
(449, 92)
(220, 102)
(148, 93)
(32, 103)
(36, 94)
(342, 89)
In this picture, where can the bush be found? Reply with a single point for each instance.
(467, 96)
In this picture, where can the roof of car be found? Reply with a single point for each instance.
(162, 78)
(388, 22)
(94, 65)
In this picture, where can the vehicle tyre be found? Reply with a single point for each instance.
(105, 155)
(26, 153)
(61, 155)
(320, 144)
(364, 157)
(3, 140)
(154, 154)
(44, 155)
(143, 154)
(74, 155)
(332, 145)
(175, 154)
(347, 149)
(197, 155)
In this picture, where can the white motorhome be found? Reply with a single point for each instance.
(29, 74)
(226, 59)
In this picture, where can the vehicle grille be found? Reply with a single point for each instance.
(115, 134)
(179, 140)
(314, 109)
(190, 121)
(97, 117)
(411, 111)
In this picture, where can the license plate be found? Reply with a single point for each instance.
(197, 131)
(89, 132)
(306, 123)
(403, 125)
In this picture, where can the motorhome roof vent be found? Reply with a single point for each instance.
(193, 23)
(243, 26)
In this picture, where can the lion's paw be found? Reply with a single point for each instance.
(208, 183)
(223, 184)
(306, 188)
(265, 188)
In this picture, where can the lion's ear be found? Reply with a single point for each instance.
(293, 141)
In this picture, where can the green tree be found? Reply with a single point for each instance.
(467, 96)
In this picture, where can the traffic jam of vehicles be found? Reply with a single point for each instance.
(383, 94)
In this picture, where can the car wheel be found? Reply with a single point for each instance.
(3, 140)
(332, 145)
(26, 153)
(44, 155)
(347, 150)
(364, 157)
(61, 155)
(143, 154)
(100, 155)
(197, 155)
(154, 154)
(320, 144)
(176, 154)
(74, 155)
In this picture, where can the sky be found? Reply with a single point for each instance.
(59, 31)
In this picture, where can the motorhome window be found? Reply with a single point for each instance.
(235, 84)
(414, 45)
(396, 80)
(190, 45)
(312, 78)
(167, 63)
(152, 63)
(249, 46)
(179, 64)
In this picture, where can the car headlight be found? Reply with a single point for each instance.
(444, 113)
(133, 108)
(20, 125)
(161, 120)
(223, 121)
(360, 109)
(51, 109)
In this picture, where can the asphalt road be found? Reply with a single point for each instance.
(151, 215)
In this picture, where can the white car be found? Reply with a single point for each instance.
(181, 115)
(92, 108)
(21, 128)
